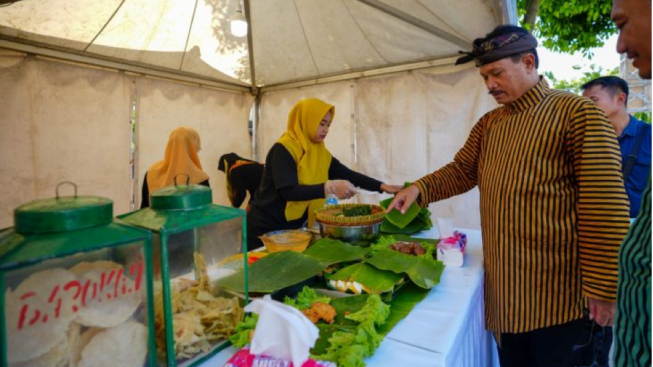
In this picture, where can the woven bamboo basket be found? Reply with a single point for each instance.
(332, 214)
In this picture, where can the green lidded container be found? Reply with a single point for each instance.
(72, 281)
(195, 243)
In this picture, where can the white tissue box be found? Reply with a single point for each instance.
(451, 257)
(451, 250)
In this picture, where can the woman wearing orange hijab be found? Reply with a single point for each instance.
(180, 158)
(300, 172)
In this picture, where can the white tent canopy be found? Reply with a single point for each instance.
(289, 40)
(75, 73)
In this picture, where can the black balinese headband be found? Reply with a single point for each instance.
(490, 50)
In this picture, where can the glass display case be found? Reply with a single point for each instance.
(75, 287)
(194, 243)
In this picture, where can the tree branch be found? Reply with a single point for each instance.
(532, 8)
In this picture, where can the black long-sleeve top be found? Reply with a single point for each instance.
(280, 184)
(243, 179)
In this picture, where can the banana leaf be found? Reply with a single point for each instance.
(279, 270)
(330, 251)
(423, 272)
(343, 306)
(273, 272)
(377, 280)
(413, 227)
(405, 300)
(405, 238)
(424, 216)
(395, 217)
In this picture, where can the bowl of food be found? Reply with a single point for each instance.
(286, 240)
(365, 233)
(350, 222)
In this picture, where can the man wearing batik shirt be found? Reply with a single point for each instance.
(553, 206)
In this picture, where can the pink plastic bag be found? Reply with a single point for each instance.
(243, 358)
(458, 240)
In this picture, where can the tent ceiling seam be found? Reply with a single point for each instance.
(104, 26)
(190, 28)
(306, 38)
(416, 22)
(362, 32)
(332, 78)
(443, 21)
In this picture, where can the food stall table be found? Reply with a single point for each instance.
(446, 329)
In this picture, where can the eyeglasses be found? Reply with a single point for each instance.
(597, 350)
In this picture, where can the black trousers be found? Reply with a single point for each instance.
(597, 353)
(555, 346)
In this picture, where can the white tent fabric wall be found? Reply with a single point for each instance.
(413, 123)
(219, 117)
(62, 122)
(276, 106)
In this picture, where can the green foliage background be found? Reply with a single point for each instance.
(574, 85)
(571, 26)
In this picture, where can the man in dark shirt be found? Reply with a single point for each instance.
(610, 93)
(243, 176)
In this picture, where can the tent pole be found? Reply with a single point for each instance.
(257, 111)
(505, 11)
(252, 70)
(354, 108)
(396, 13)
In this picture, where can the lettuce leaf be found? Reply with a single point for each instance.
(383, 242)
(305, 299)
(367, 336)
(242, 335)
(374, 310)
(349, 348)
(430, 251)
(345, 355)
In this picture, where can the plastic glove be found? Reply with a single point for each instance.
(343, 189)
(391, 189)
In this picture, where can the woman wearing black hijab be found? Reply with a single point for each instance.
(243, 176)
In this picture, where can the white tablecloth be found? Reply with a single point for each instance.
(447, 329)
